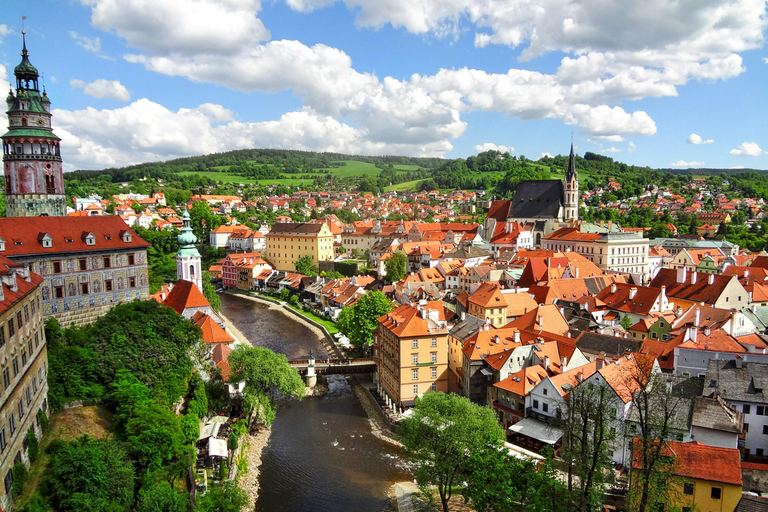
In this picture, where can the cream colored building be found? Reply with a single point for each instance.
(619, 252)
(24, 367)
(410, 346)
(288, 242)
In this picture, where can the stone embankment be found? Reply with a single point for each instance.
(249, 482)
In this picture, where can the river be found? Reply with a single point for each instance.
(322, 455)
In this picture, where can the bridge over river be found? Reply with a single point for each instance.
(336, 366)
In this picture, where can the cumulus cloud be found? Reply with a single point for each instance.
(103, 89)
(747, 149)
(4, 31)
(546, 155)
(224, 42)
(490, 146)
(683, 163)
(611, 150)
(147, 131)
(697, 139)
(631, 147)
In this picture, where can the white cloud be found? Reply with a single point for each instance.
(90, 44)
(546, 155)
(697, 139)
(4, 31)
(611, 150)
(683, 163)
(147, 131)
(747, 149)
(631, 147)
(737, 167)
(490, 146)
(104, 89)
(223, 42)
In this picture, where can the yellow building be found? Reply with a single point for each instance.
(288, 242)
(489, 304)
(709, 478)
(23, 364)
(410, 346)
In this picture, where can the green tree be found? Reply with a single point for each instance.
(161, 498)
(360, 320)
(91, 475)
(32, 445)
(626, 322)
(209, 291)
(20, 475)
(498, 482)
(154, 434)
(442, 430)
(227, 497)
(263, 373)
(304, 266)
(395, 266)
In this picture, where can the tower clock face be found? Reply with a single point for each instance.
(40, 121)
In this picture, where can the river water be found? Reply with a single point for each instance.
(321, 455)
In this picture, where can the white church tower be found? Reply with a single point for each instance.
(188, 259)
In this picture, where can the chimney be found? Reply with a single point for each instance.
(538, 319)
(517, 336)
(682, 274)
(694, 276)
(602, 223)
(711, 279)
(610, 225)
(632, 293)
(463, 315)
(546, 362)
(746, 273)
(613, 288)
(693, 334)
(485, 327)
(576, 273)
(697, 317)
(600, 363)
(707, 331)
(526, 311)
(564, 360)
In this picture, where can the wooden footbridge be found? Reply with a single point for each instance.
(336, 366)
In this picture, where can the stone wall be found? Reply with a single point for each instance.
(35, 205)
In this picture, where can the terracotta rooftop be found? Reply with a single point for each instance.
(185, 294)
(696, 460)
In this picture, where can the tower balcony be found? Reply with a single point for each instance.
(20, 157)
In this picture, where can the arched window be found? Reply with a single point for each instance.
(191, 271)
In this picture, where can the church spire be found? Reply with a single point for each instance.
(570, 174)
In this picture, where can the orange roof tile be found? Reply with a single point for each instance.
(212, 332)
(185, 294)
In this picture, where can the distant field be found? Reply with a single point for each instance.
(288, 182)
(404, 167)
(406, 185)
(226, 177)
(354, 168)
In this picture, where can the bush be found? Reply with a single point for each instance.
(32, 445)
(346, 268)
(44, 421)
(20, 474)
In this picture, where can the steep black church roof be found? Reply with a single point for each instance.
(537, 199)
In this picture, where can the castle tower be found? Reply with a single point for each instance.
(188, 259)
(34, 184)
(571, 185)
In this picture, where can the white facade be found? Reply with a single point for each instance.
(188, 268)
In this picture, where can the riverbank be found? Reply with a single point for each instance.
(379, 427)
(249, 482)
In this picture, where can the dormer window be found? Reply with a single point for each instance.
(126, 236)
(89, 238)
(2, 245)
(69, 240)
(46, 240)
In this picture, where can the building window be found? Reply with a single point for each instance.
(765, 429)
(8, 481)
(132, 282)
(415, 389)
(415, 344)
(15, 367)
(3, 439)
(131, 259)
(415, 359)
(19, 323)
(6, 378)
(535, 404)
(760, 410)
(545, 407)
(57, 267)
(26, 313)
(544, 391)
(746, 427)
(434, 373)
(716, 491)
(23, 358)
(21, 409)
(2, 335)
(688, 488)
(29, 395)
(108, 285)
(84, 288)
(11, 328)
(434, 342)
(434, 357)
(415, 374)
(34, 386)
(746, 409)
(83, 263)
(58, 292)
(12, 423)
(107, 262)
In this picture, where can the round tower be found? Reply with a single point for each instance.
(34, 183)
(571, 186)
(188, 259)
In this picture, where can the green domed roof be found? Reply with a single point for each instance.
(25, 68)
(187, 237)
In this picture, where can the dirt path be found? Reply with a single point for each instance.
(249, 482)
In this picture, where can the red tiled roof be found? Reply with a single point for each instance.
(23, 235)
(696, 460)
(185, 294)
(212, 332)
(23, 286)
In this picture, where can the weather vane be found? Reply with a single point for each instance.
(23, 31)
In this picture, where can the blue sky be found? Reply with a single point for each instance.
(658, 83)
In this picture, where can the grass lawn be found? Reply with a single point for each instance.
(406, 185)
(226, 177)
(354, 168)
(404, 167)
(95, 421)
(330, 326)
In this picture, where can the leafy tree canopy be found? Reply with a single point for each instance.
(395, 266)
(359, 320)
